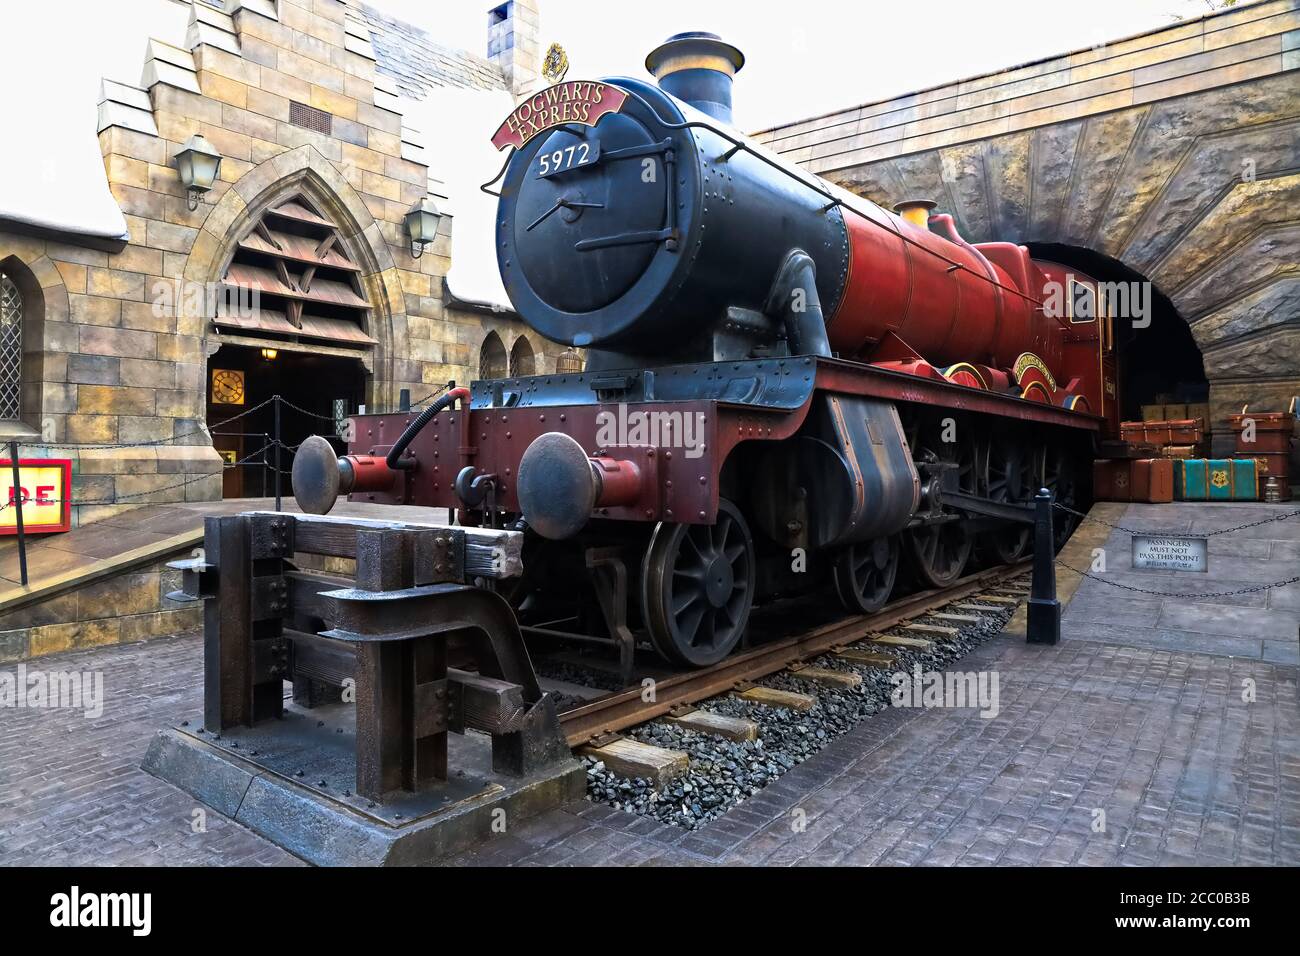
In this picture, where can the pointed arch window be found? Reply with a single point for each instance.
(291, 278)
(11, 349)
(522, 359)
(492, 361)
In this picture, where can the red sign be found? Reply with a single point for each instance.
(46, 488)
(577, 101)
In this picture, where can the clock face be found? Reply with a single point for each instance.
(227, 386)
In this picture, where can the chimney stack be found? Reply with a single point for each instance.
(514, 43)
(697, 68)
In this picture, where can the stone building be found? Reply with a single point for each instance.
(1172, 157)
(126, 326)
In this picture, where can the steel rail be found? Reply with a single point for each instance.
(626, 708)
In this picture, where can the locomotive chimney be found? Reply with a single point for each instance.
(697, 68)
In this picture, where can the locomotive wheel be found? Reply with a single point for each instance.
(1009, 477)
(865, 574)
(697, 586)
(1059, 478)
(938, 552)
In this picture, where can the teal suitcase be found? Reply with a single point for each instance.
(1216, 479)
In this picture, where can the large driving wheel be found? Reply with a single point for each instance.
(865, 574)
(938, 552)
(697, 587)
(1060, 479)
(1009, 477)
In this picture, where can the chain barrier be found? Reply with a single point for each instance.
(1254, 588)
(206, 431)
(1286, 515)
(1208, 594)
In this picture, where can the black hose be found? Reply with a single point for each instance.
(395, 460)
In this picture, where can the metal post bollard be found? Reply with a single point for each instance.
(277, 453)
(18, 512)
(404, 400)
(1044, 624)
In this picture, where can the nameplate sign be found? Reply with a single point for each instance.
(1154, 552)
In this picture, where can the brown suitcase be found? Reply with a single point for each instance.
(1273, 432)
(1180, 451)
(1114, 448)
(1110, 480)
(1184, 431)
(1152, 480)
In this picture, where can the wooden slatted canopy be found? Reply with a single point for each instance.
(304, 285)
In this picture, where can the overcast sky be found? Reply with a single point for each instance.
(807, 57)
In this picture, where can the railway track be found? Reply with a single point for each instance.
(597, 722)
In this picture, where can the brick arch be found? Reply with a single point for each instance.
(305, 171)
(45, 300)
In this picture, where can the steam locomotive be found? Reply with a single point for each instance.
(786, 386)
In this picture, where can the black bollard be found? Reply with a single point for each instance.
(1044, 624)
(404, 400)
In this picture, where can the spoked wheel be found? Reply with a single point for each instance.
(1059, 478)
(697, 587)
(1009, 476)
(865, 574)
(938, 552)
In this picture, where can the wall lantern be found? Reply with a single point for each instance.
(422, 225)
(269, 354)
(198, 164)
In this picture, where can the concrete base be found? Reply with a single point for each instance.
(290, 781)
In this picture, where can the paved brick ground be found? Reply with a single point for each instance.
(1159, 740)
(1262, 624)
(71, 788)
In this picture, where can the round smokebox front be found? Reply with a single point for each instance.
(583, 223)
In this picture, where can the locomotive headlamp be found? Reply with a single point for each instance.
(422, 225)
(197, 164)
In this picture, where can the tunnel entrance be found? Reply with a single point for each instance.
(1158, 364)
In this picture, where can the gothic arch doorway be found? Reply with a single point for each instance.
(290, 318)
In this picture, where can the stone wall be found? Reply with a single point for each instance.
(108, 365)
(1174, 152)
(117, 609)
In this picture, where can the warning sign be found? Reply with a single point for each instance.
(1163, 553)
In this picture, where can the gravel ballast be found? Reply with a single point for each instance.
(725, 773)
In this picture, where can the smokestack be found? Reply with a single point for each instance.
(697, 68)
